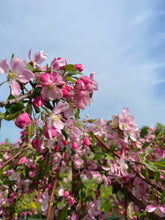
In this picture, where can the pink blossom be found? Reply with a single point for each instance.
(38, 101)
(22, 160)
(73, 216)
(78, 67)
(71, 201)
(46, 79)
(50, 133)
(67, 91)
(23, 120)
(153, 208)
(75, 146)
(36, 143)
(17, 72)
(93, 208)
(86, 141)
(32, 174)
(77, 161)
(58, 63)
(51, 93)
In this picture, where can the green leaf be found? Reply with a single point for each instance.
(1, 115)
(92, 136)
(163, 197)
(63, 213)
(69, 67)
(11, 116)
(73, 73)
(157, 176)
(36, 70)
(146, 144)
(30, 129)
(98, 156)
(144, 131)
(29, 67)
(160, 163)
(76, 113)
(148, 152)
(15, 107)
(70, 79)
(36, 92)
(65, 134)
(108, 157)
(151, 166)
(112, 147)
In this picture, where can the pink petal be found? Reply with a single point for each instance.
(150, 208)
(25, 76)
(29, 54)
(162, 209)
(17, 64)
(4, 67)
(40, 57)
(15, 88)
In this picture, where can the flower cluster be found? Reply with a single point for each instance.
(75, 169)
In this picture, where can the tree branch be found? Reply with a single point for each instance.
(12, 101)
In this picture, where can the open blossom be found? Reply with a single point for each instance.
(16, 72)
(52, 85)
(22, 160)
(23, 120)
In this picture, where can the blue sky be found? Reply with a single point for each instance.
(122, 40)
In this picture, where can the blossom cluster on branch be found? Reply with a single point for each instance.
(67, 163)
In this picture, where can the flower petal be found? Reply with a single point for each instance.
(15, 88)
(25, 76)
(150, 208)
(4, 67)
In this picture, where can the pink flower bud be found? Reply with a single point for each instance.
(75, 146)
(32, 174)
(86, 141)
(38, 101)
(78, 67)
(58, 63)
(23, 120)
(66, 91)
(56, 148)
(40, 57)
(46, 79)
(79, 85)
(66, 194)
(22, 160)
(36, 143)
(71, 201)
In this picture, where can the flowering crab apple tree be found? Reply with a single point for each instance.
(76, 169)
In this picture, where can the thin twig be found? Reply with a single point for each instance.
(13, 157)
(51, 198)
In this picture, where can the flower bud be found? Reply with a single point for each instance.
(78, 67)
(38, 101)
(46, 79)
(23, 120)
